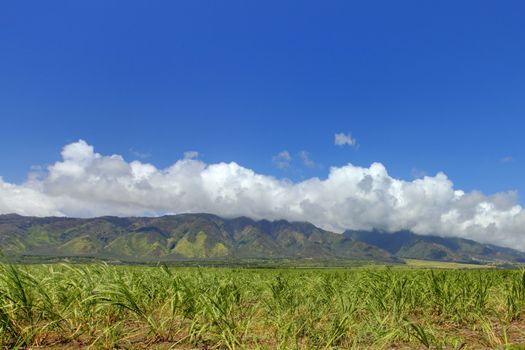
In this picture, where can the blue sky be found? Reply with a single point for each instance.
(423, 86)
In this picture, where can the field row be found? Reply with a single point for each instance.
(106, 307)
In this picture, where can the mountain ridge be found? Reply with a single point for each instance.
(208, 236)
(406, 244)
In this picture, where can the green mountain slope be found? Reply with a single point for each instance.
(405, 244)
(205, 236)
(186, 236)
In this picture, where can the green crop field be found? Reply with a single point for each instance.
(105, 307)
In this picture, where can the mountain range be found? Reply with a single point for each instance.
(206, 236)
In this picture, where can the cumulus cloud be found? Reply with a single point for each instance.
(342, 139)
(282, 160)
(84, 183)
(24, 200)
(305, 157)
(191, 155)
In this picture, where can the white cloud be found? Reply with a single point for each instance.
(305, 157)
(341, 139)
(85, 183)
(191, 155)
(26, 201)
(282, 160)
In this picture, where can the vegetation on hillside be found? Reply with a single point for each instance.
(208, 237)
(406, 244)
(176, 237)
